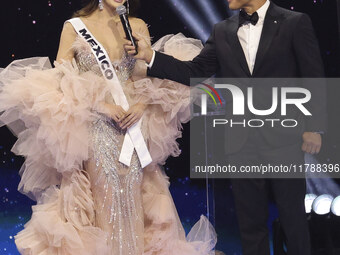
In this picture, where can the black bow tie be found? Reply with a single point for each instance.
(245, 18)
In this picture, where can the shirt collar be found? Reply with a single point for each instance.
(263, 10)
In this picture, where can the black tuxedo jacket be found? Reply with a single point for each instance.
(288, 49)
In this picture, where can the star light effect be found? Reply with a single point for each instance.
(191, 18)
(209, 11)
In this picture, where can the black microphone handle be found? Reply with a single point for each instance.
(128, 31)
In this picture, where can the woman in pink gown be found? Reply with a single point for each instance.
(68, 130)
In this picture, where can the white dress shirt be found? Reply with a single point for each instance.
(249, 36)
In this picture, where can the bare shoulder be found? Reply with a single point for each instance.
(68, 30)
(137, 23)
(68, 27)
(67, 38)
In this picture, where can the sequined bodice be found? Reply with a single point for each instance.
(86, 61)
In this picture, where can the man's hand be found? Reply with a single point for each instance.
(311, 142)
(144, 49)
(132, 116)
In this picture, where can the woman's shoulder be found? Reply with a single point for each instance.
(67, 38)
(68, 28)
(68, 32)
(137, 23)
(136, 20)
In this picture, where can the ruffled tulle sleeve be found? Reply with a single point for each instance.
(48, 109)
(179, 46)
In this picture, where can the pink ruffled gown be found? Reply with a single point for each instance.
(88, 202)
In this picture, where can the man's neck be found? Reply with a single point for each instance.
(253, 6)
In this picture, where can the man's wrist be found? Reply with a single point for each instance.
(151, 60)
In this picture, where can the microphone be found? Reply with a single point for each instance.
(121, 11)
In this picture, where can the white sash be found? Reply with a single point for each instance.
(133, 137)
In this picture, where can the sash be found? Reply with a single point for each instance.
(133, 138)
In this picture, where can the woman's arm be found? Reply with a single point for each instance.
(141, 28)
(67, 38)
(136, 111)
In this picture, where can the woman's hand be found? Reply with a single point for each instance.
(115, 112)
(133, 115)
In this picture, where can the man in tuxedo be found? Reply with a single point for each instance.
(262, 41)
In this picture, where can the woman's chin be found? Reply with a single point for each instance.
(115, 3)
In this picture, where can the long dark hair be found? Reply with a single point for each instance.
(91, 5)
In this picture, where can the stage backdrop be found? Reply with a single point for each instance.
(32, 28)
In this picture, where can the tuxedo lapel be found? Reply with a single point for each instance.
(236, 45)
(270, 27)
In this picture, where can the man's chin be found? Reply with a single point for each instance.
(233, 6)
(234, 9)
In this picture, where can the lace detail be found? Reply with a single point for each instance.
(86, 61)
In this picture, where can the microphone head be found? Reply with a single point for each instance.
(121, 10)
